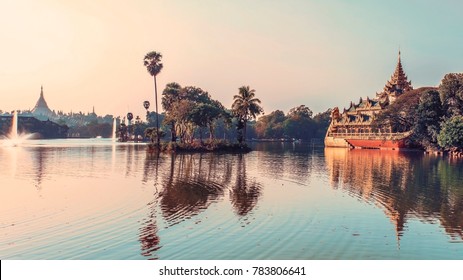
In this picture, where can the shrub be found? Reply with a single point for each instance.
(451, 134)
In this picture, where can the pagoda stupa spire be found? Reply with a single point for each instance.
(398, 83)
(41, 107)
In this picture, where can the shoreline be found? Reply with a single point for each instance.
(215, 147)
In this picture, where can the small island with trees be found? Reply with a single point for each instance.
(190, 110)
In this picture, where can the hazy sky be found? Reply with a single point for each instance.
(317, 53)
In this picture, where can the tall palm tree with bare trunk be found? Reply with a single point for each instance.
(152, 62)
(245, 107)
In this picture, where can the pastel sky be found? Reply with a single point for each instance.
(317, 53)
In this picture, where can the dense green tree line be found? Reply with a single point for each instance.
(191, 113)
(91, 130)
(299, 123)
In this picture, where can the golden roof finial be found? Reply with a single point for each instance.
(399, 82)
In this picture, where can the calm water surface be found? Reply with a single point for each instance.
(92, 199)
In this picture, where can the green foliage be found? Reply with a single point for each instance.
(402, 114)
(205, 114)
(435, 117)
(153, 133)
(297, 124)
(300, 112)
(151, 117)
(152, 62)
(92, 130)
(428, 118)
(451, 94)
(171, 94)
(303, 128)
(245, 107)
(189, 110)
(451, 135)
(322, 121)
(271, 125)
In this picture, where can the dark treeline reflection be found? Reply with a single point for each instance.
(187, 184)
(191, 185)
(406, 185)
(245, 191)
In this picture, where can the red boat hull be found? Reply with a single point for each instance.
(377, 144)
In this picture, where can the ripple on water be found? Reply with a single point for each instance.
(85, 232)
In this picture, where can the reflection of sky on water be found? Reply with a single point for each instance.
(93, 200)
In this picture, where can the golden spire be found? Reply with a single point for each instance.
(399, 82)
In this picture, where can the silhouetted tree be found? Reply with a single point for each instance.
(152, 62)
(245, 107)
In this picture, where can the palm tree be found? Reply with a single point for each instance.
(245, 107)
(153, 64)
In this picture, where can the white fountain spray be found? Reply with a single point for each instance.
(14, 126)
(114, 129)
(13, 138)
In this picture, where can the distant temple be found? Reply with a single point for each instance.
(353, 127)
(38, 121)
(41, 110)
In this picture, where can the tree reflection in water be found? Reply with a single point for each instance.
(189, 184)
(188, 190)
(405, 185)
(245, 193)
(148, 236)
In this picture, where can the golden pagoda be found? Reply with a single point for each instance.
(41, 110)
(397, 85)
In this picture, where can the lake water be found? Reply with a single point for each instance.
(92, 199)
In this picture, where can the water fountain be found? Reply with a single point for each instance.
(14, 126)
(114, 129)
(14, 138)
